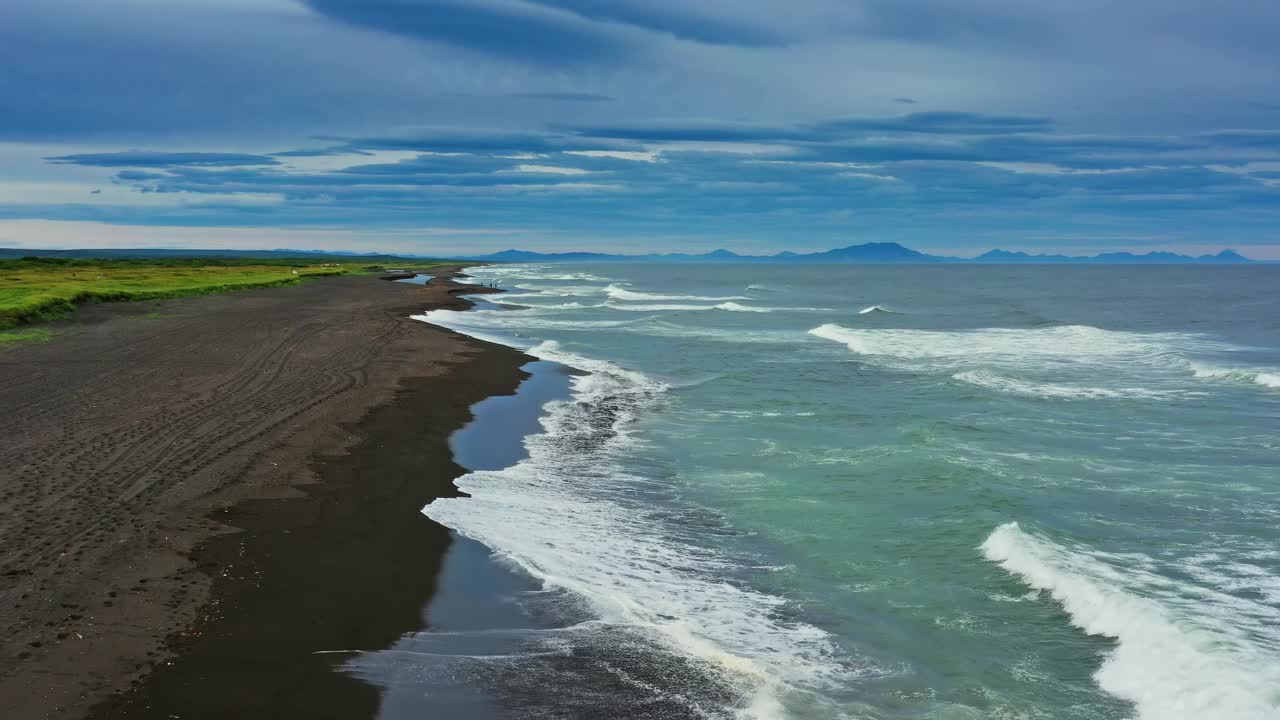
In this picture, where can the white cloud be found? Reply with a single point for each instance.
(333, 163)
(550, 169)
(1035, 168)
(637, 156)
(96, 235)
(870, 176)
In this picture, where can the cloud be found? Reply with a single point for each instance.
(1262, 139)
(689, 132)
(316, 152)
(516, 30)
(675, 18)
(927, 123)
(605, 119)
(138, 158)
(451, 140)
(564, 96)
(946, 123)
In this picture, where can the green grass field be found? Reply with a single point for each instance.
(40, 289)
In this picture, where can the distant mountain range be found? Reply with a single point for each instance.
(883, 253)
(867, 253)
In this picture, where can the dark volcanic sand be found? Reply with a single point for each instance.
(154, 529)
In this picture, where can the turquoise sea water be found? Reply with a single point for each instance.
(891, 492)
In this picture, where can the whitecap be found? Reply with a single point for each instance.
(1182, 652)
(1056, 391)
(1267, 378)
(570, 515)
(736, 307)
(877, 309)
(1072, 342)
(617, 292)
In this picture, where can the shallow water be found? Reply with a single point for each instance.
(421, 279)
(890, 492)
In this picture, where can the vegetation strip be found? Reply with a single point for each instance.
(36, 289)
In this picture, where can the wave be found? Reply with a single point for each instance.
(735, 307)
(522, 300)
(1015, 386)
(1175, 659)
(575, 517)
(877, 309)
(737, 336)
(1265, 378)
(586, 277)
(617, 292)
(650, 307)
(1068, 342)
(562, 290)
(658, 307)
(473, 322)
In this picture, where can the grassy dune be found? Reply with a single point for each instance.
(38, 289)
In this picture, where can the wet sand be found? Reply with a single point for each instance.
(203, 494)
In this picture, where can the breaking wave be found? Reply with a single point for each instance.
(575, 517)
(657, 307)
(1068, 343)
(735, 307)
(617, 292)
(1055, 391)
(1183, 652)
(1265, 378)
(877, 309)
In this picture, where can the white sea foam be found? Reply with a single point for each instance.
(562, 290)
(1072, 362)
(617, 292)
(876, 309)
(1068, 342)
(658, 307)
(529, 300)
(736, 307)
(1183, 652)
(514, 320)
(575, 517)
(1265, 377)
(1015, 386)
(737, 336)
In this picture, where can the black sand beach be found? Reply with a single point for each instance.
(212, 494)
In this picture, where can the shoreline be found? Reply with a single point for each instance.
(315, 542)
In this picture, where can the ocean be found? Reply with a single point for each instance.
(887, 492)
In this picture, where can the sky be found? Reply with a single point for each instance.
(469, 126)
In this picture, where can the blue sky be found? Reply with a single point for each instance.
(446, 126)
